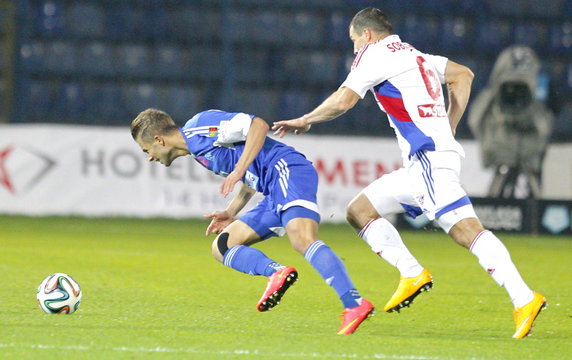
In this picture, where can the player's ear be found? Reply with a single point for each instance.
(159, 140)
(367, 33)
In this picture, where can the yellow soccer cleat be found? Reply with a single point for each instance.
(408, 290)
(524, 316)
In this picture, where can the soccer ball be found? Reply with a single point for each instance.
(59, 294)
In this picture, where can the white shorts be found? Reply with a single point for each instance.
(428, 185)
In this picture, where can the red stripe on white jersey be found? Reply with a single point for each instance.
(359, 55)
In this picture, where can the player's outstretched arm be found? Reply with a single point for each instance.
(458, 79)
(254, 141)
(335, 105)
(221, 219)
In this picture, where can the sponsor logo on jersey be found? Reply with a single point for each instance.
(432, 110)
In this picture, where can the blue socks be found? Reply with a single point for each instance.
(250, 261)
(333, 271)
(253, 262)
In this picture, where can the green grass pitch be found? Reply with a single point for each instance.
(153, 291)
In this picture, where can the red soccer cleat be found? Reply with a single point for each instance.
(277, 285)
(355, 316)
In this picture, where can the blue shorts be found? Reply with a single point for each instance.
(292, 195)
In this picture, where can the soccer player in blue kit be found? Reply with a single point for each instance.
(235, 146)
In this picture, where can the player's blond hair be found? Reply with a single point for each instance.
(151, 122)
(371, 18)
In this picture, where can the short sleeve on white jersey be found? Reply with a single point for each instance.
(365, 72)
(440, 64)
(233, 130)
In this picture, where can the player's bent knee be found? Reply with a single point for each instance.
(220, 246)
(360, 211)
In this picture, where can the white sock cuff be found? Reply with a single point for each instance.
(364, 229)
(479, 235)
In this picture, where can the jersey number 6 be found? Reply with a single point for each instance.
(430, 79)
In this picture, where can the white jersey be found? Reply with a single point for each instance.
(406, 84)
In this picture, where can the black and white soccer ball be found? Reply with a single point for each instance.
(59, 294)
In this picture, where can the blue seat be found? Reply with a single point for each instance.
(259, 102)
(116, 21)
(309, 67)
(182, 102)
(240, 25)
(97, 59)
(193, 22)
(567, 80)
(512, 8)
(158, 15)
(124, 21)
(265, 25)
(49, 19)
(562, 129)
(456, 34)
(551, 8)
(360, 4)
(561, 38)
(70, 104)
(32, 56)
(110, 104)
(366, 119)
(302, 28)
(252, 65)
(141, 96)
(134, 60)
(421, 32)
(170, 61)
(434, 6)
(295, 103)
(493, 36)
(85, 19)
(315, 3)
(207, 62)
(566, 9)
(322, 67)
(465, 7)
(61, 57)
(338, 29)
(293, 67)
(36, 101)
(531, 34)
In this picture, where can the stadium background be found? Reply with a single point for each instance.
(151, 288)
(100, 62)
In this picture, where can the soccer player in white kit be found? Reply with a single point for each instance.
(406, 84)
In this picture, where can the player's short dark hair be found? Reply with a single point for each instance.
(151, 122)
(371, 18)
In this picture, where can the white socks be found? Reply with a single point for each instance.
(495, 259)
(385, 241)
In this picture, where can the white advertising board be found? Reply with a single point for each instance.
(100, 171)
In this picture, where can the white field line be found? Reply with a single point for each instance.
(244, 352)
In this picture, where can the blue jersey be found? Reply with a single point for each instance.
(216, 140)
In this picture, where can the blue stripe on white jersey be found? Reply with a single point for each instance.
(392, 101)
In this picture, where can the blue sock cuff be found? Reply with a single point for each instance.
(311, 250)
(230, 254)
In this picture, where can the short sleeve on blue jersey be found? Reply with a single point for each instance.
(233, 130)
